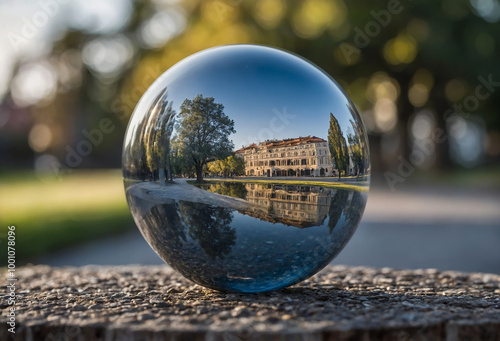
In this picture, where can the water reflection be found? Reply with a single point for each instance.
(210, 227)
(284, 234)
(293, 205)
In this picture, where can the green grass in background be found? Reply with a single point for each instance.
(338, 185)
(51, 214)
(483, 178)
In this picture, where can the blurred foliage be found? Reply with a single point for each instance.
(401, 62)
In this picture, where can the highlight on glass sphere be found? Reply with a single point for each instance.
(246, 168)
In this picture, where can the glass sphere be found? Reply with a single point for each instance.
(246, 168)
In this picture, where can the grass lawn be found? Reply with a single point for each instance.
(51, 214)
(293, 182)
(483, 177)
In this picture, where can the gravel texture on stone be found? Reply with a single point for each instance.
(339, 303)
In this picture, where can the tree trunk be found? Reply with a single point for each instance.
(199, 173)
(441, 105)
(162, 176)
(405, 110)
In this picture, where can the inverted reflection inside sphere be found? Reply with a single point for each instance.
(246, 168)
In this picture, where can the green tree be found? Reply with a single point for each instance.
(236, 165)
(355, 152)
(232, 165)
(225, 167)
(203, 132)
(181, 164)
(359, 147)
(216, 167)
(338, 146)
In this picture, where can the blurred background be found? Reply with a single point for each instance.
(425, 77)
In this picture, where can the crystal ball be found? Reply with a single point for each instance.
(246, 168)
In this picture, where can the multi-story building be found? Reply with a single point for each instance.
(302, 156)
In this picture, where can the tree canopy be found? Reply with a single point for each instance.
(232, 165)
(338, 146)
(203, 133)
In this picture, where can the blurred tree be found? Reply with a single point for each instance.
(395, 59)
(163, 129)
(150, 159)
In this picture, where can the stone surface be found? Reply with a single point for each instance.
(339, 303)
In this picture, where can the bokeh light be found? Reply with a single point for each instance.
(485, 44)
(488, 9)
(95, 16)
(466, 140)
(40, 137)
(313, 17)
(33, 83)
(421, 84)
(400, 50)
(161, 27)
(108, 55)
(455, 89)
(269, 13)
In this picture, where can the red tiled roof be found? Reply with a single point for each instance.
(283, 143)
(253, 145)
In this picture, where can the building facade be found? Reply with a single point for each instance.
(302, 156)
